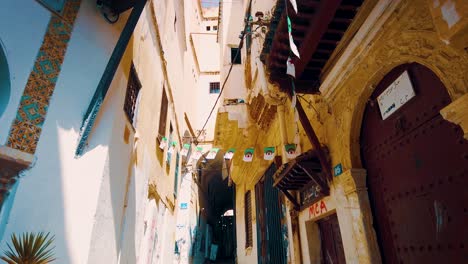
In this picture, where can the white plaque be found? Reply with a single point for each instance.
(396, 95)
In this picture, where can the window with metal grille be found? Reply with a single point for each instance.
(133, 88)
(163, 114)
(214, 87)
(162, 127)
(235, 59)
(248, 220)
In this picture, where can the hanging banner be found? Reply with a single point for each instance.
(229, 154)
(212, 154)
(172, 147)
(163, 143)
(290, 68)
(248, 155)
(185, 150)
(290, 150)
(269, 153)
(294, 4)
(197, 153)
(291, 40)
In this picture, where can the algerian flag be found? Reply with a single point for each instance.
(185, 150)
(229, 154)
(172, 148)
(212, 153)
(291, 40)
(197, 154)
(248, 155)
(269, 153)
(290, 68)
(290, 151)
(294, 4)
(163, 143)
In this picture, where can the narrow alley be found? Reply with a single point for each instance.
(234, 131)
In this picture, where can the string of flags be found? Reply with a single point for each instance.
(290, 67)
(269, 153)
(291, 150)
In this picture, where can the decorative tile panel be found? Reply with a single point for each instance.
(27, 127)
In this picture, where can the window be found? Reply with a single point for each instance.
(248, 220)
(133, 88)
(235, 59)
(214, 87)
(163, 114)
(215, 27)
(162, 127)
(208, 28)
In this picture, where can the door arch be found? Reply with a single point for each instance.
(4, 81)
(417, 166)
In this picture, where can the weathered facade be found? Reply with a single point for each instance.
(427, 36)
(85, 102)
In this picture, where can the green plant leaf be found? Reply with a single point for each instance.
(30, 248)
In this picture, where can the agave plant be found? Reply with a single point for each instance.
(29, 248)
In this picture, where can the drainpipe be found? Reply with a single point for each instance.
(108, 76)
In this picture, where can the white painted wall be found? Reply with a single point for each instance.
(97, 204)
(21, 33)
(71, 188)
(85, 197)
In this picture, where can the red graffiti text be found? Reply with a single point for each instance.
(317, 209)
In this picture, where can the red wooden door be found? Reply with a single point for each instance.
(417, 167)
(332, 244)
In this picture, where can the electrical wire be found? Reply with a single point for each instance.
(222, 87)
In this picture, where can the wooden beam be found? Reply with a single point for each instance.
(291, 198)
(189, 126)
(321, 182)
(309, 130)
(318, 26)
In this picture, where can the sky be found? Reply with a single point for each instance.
(209, 3)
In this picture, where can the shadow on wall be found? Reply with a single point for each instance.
(60, 194)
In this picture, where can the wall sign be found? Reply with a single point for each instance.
(396, 95)
(337, 170)
(183, 205)
(310, 194)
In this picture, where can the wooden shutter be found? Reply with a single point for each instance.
(163, 115)
(248, 219)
